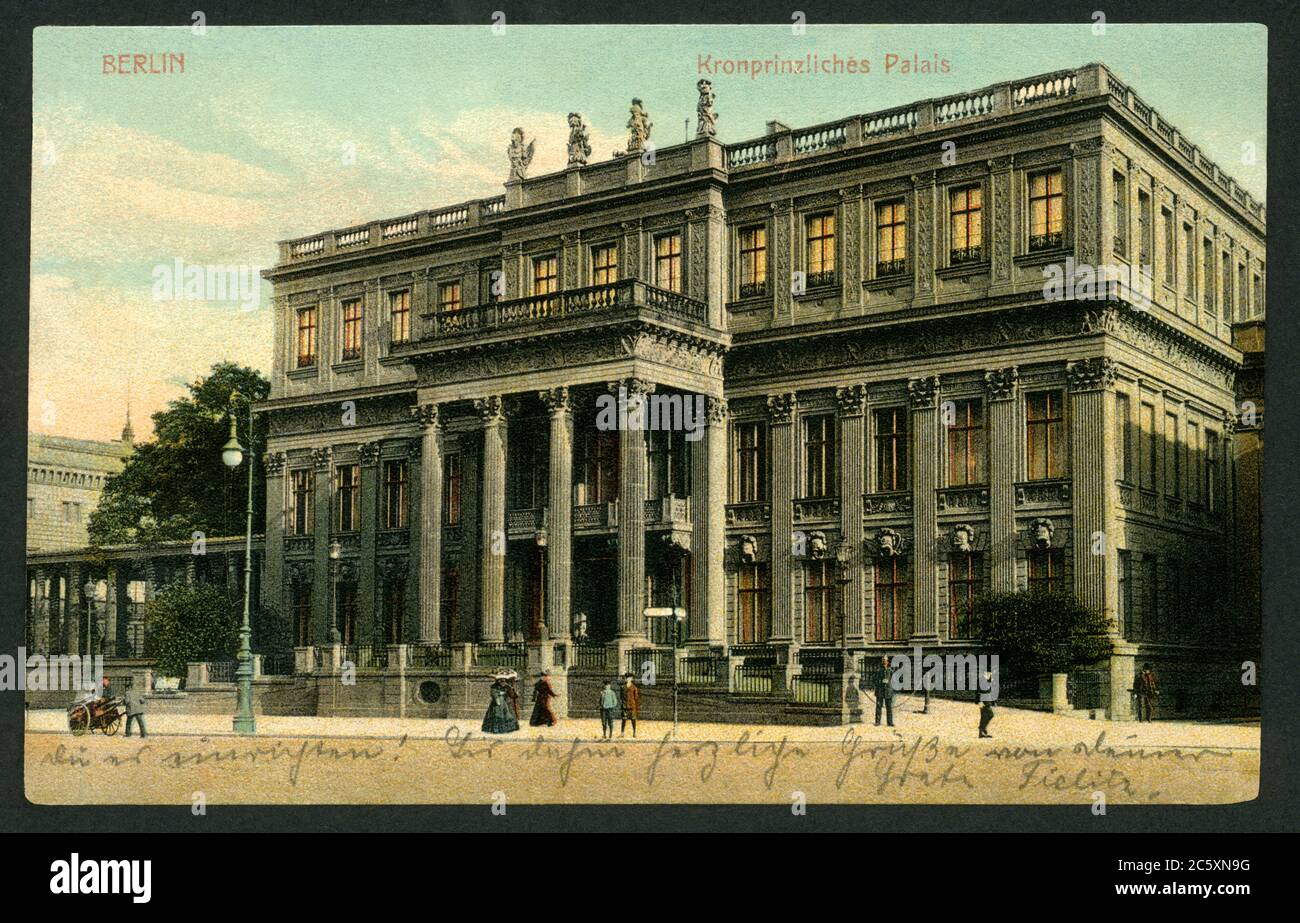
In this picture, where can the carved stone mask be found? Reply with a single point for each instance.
(748, 548)
(817, 545)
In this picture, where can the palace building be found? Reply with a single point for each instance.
(895, 413)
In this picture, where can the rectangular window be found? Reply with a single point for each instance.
(893, 595)
(1045, 435)
(306, 337)
(667, 464)
(1257, 296)
(396, 473)
(753, 261)
(891, 448)
(394, 602)
(891, 238)
(1173, 461)
(493, 285)
(1196, 464)
(1169, 249)
(399, 316)
(351, 331)
(1227, 287)
(300, 496)
(819, 601)
(31, 507)
(668, 262)
(546, 274)
(346, 606)
(1046, 210)
(604, 264)
(1145, 230)
(1047, 570)
(449, 297)
(966, 450)
(1124, 436)
(347, 498)
(1211, 470)
(819, 456)
(1119, 214)
(71, 511)
(1150, 441)
(965, 582)
(819, 249)
(1189, 262)
(1125, 580)
(751, 462)
(753, 599)
(302, 614)
(966, 228)
(450, 603)
(452, 475)
(1207, 268)
(1243, 294)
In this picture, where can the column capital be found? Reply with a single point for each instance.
(781, 407)
(1001, 383)
(631, 386)
(922, 392)
(1097, 374)
(715, 411)
(426, 416)
(369, 453)
(851, 401)
(322, 459)
(491, 410)
(274, 462)
(556, 400)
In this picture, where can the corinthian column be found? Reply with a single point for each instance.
(559, 516)
(1003, 454)
(492, 570)
(923, 394)
(430, 550)
(781, 409)
(708, 616)
(853, 465)
(1092, 468)
(631, 508)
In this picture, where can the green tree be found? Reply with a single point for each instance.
(177, 484)
(1039, 632)
(188, 623)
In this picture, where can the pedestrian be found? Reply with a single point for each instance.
(884, 691)
(134, 699)
(503, 705)
(986, 709)
(631, 704)
(542, 695)
(1147, 691)
(608, 705)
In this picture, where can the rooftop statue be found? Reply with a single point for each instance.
(708, 119)
(520, 155)
(579, 141)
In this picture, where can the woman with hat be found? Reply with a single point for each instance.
(542, 695)
(503, 704)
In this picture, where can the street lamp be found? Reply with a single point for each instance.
(89, 590)
(232, 455)
(336, 551)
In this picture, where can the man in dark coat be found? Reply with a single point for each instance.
(542, 695)
(986, 711)
(134, 699)
(884, 691)
(1146, 690)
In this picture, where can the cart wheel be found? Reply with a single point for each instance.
(79, 721)
(112, 726)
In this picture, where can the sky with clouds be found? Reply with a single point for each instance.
(273, 133)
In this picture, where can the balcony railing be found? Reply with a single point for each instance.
(594, 299)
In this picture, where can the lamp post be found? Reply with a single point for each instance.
(232, 454)
(336, 551)
(89, 590)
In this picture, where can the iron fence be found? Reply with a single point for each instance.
(758, 679)
(662, 661)
(222, 671)
(589, 656)
(815, 690)
(707, 670)
(507, 655)
(429, 656)
(277, 663)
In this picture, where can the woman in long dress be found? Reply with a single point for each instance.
(542, 695)
(503, 708)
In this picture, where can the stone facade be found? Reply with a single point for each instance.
(64, 480)
(895, 412)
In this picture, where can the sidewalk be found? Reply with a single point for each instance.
(949, 721)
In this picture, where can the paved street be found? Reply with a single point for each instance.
(931, 758)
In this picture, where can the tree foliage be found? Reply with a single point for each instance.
(188, 623)
(177, 484)
(1039, 632)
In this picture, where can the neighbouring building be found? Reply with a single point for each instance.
(885, 374)
(64, 480)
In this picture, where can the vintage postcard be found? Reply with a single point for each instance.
(523, 414)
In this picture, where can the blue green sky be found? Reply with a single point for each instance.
(251, 144)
